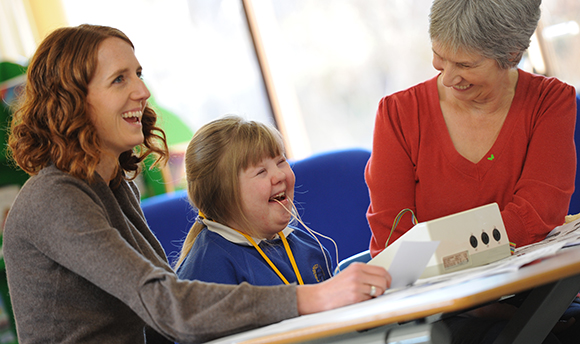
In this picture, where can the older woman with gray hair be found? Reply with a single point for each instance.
(481, 131)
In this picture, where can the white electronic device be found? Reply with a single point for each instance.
(467, 239)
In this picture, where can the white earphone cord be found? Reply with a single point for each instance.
(313, 233)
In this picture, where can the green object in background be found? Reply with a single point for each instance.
(177, 133)
(153, 181)
(10, 174)
(176, 130)
(9, 73)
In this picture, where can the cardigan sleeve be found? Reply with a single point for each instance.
(71, 228)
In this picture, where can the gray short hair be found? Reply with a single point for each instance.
(496, 29)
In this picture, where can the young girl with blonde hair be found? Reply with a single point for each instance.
(242, 184)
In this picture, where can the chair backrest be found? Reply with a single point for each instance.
(575, 201)
(170, 216)
(332, 198)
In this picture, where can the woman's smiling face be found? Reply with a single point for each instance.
(469, 76)
(117, 97)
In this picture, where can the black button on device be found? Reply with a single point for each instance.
(485, 238)
(473, 241)
(496, 234)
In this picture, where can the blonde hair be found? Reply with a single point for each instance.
(216, 155)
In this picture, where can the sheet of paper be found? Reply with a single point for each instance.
(410, 262)
(568, 233)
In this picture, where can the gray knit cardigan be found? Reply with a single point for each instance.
(83, 267)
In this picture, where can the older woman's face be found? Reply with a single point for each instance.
(469, 76)
(117, 97)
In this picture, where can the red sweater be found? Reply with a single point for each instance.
(529, 171)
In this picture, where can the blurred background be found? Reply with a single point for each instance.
(315, 69)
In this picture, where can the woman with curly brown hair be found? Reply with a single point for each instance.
(82, 264)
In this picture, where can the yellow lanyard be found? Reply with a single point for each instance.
(288, 251)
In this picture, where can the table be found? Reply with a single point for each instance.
(554, 279)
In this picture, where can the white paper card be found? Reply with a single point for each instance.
(410, 261)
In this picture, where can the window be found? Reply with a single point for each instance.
(339, 58)
(330, 61)
(197, 56)
(560, 39)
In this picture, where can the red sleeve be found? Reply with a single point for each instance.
(542, 193)
(390, 172)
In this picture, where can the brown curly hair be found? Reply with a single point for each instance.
(51, 124)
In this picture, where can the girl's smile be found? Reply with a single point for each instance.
(267, 191)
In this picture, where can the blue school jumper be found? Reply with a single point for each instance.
(222, 255)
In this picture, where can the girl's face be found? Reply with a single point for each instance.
(468, 76)
(117, 97)
(260, 186)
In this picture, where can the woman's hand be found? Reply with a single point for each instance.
(358, 282)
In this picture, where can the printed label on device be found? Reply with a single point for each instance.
(455, 260)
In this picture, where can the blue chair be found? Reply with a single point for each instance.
(170, 216)
(362, 257)
(575, 200)
(332, 198)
